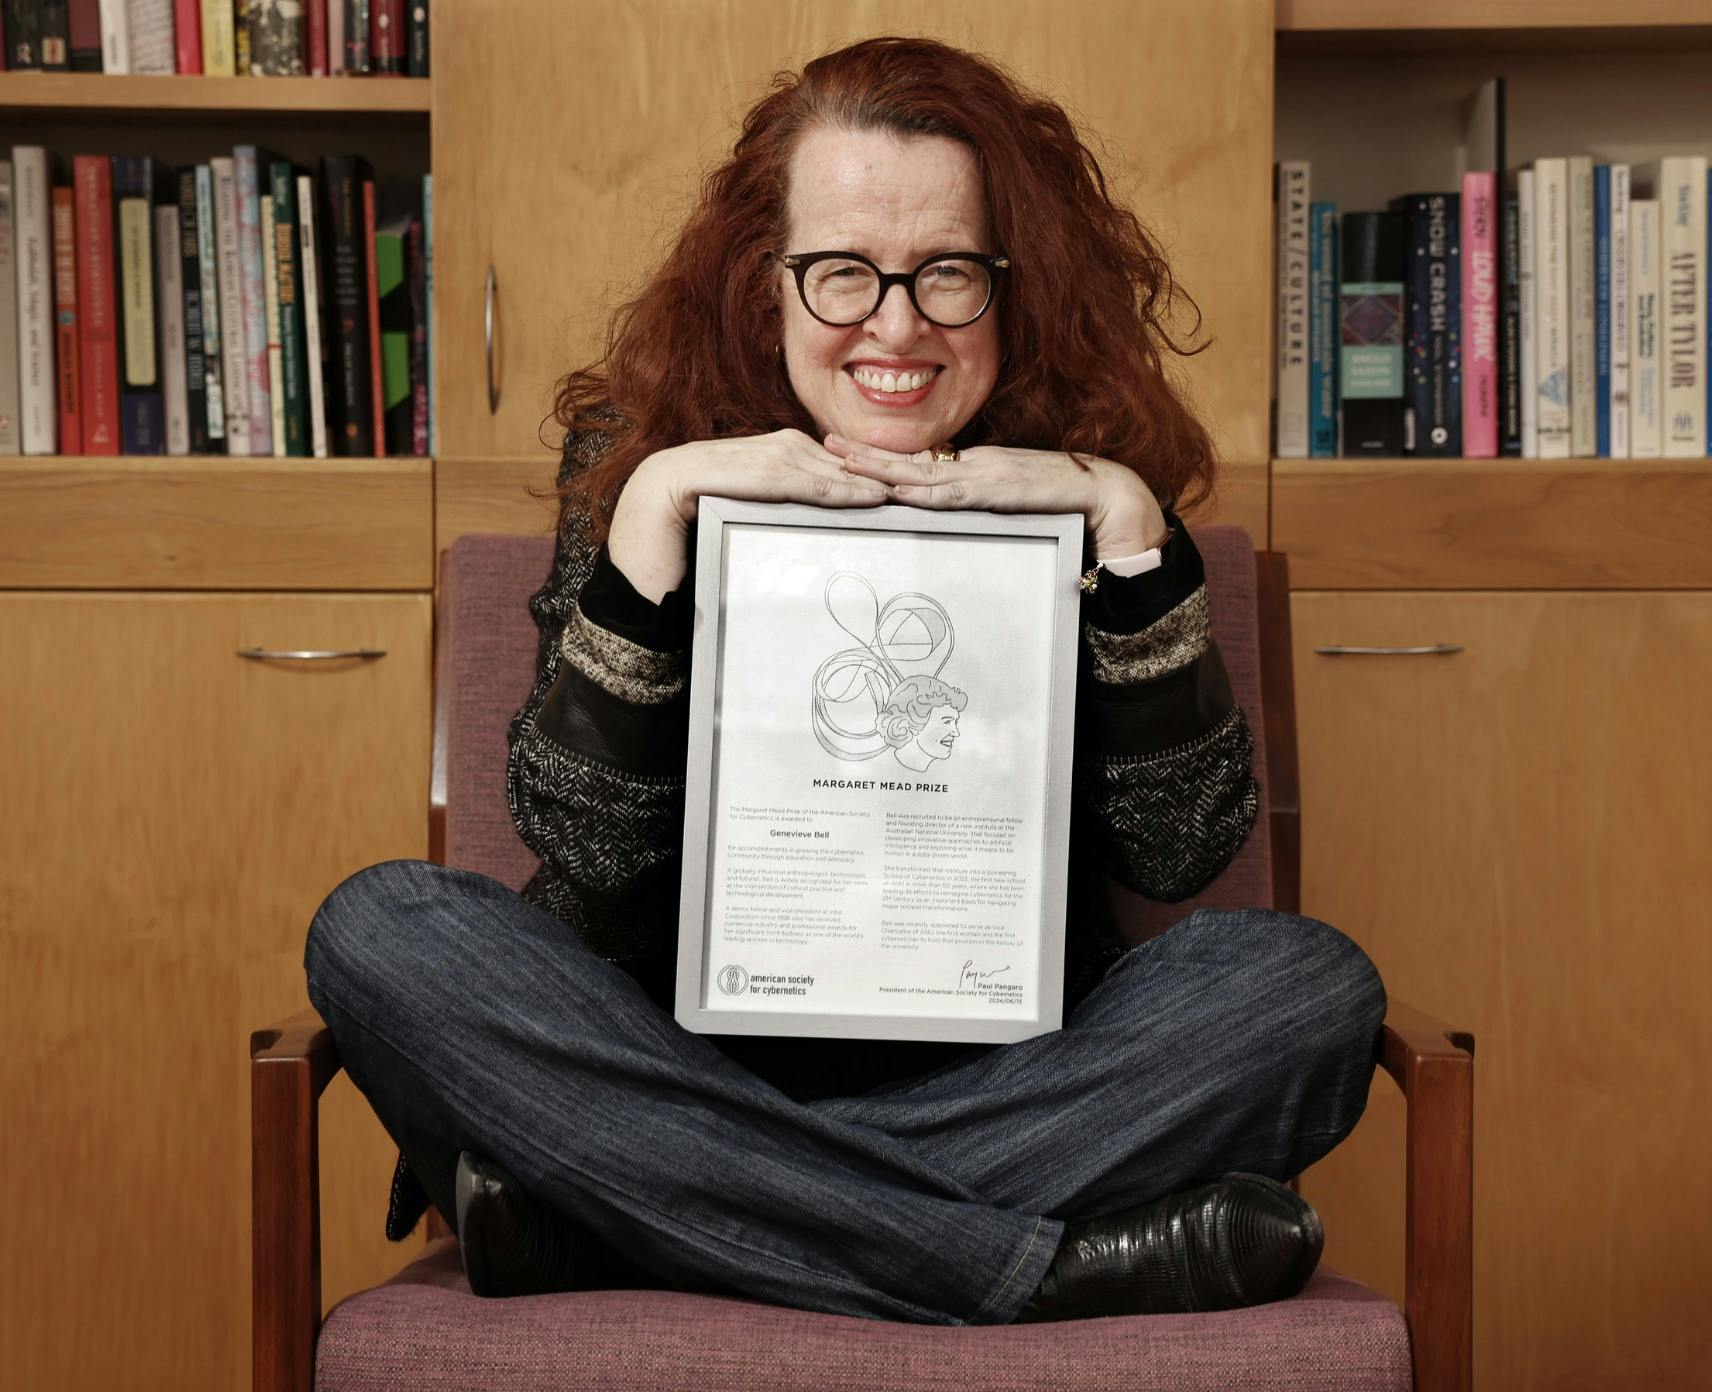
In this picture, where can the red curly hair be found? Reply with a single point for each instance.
(1081, 315)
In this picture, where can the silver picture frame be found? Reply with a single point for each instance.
(844, 876)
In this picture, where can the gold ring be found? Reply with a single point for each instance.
(944, 454)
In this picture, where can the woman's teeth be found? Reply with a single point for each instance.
(892, 381)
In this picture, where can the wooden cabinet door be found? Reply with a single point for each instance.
(1517, 834)
(569, 139)
(184, 812)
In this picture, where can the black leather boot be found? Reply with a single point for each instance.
(510, 1244)
(1240, 1240)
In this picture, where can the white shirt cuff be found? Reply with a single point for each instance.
(1137, 564)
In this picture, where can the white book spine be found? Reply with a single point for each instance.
(1529, 309)
(232, 365)
(270, 312)
(115, 36)
(207, 265)
(1680, 185)
(152, 48)
(1551, 298)
(1583, 310)
(33, 249)
(315, 364)
(1292, 405)
(169, 276)
(1646, 441)
(1619, 311)
(8, 317)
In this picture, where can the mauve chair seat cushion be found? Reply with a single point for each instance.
(424, 1330)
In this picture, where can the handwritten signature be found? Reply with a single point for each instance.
(970, 976)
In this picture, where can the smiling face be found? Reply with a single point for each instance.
(896, 201)
(939, 734)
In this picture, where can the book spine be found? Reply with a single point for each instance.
(313, 335)
(288, 286)
(1583, 360)
(1510, 333)
(32, 201)
(270, 307)
(195, 336)
(187, 32)
(1602, 310)
(1551, 270)
(98, 305)
(1290, 432)
(1432, 421)
(69, 389)
(1322, 332)
(208, 276)
(371, 245)
(142, 425)
(174, 374)
(1370, 318)
(246, 172)
(428, 294)
(1646, 387)
(23, 36)
(315, 37)
(386, 37)
(394, 306)
(55, 37)
(1619, 404)
(353, 411)
(415, 274)
(218, 58)
(1528, 317)
(84, 23)
(1480, 407)
(115, 37)
(336, 38)
(357, 37)
(9, 442)
(278, 40)
(1683, 229)
(416, 57)
(241, 36)
(152, 49)
(234, 337)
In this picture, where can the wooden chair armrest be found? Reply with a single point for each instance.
(1433, 1064)
(290, 1067)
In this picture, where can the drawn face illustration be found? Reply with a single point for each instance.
(939, 734)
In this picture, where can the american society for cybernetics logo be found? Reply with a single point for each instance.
(733, 980)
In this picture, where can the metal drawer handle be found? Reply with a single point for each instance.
(487, 321)
(272, 655)
(1430, 650)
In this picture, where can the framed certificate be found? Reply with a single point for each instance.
(877, 814)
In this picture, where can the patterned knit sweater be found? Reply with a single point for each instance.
(1163, 792)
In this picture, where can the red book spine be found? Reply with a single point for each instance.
(316, 12)
(187, 26)
(97, 341)
(386, 37)
(379, 391)
(65, 321)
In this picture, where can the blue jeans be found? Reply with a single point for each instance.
(472, 1019)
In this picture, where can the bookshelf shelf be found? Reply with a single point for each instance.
(75, 93)
(1311, 16)
(1384, 524)
(209, 522)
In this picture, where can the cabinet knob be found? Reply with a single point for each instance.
(300, 655)
(1429, 650)
(487, 323)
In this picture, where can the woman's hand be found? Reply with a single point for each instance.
(1121, 511)
(650, 526)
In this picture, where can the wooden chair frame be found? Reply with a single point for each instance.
(292, 1062)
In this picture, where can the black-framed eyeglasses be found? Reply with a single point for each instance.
(841, 288)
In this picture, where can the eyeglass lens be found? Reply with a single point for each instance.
(950, 293)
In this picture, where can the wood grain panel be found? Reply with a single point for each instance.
(492, 495)
(182, 95)
(1307, 15)
(573, 183)
(1494, 523)
(174, 816)
(1517, 836)
(216, 523)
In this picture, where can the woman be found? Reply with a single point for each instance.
(986, 332)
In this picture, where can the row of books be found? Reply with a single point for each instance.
(1563, 316)
(241, 306)
(218, 38)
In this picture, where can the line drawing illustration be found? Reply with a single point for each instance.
(886, 693)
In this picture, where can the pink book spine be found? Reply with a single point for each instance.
(1479, 315)
(187, 29)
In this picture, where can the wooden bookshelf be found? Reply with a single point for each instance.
(174, 96)
(1357, 27)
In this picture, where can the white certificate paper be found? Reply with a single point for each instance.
(875, 844)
